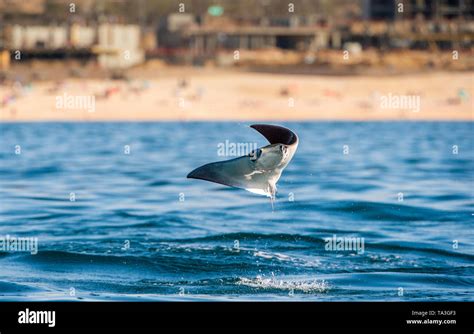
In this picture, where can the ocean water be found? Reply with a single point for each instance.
(137, 229)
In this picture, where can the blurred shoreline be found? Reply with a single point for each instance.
(156, 91)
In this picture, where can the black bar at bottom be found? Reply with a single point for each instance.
(433, 316)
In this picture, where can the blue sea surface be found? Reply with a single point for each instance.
(139, 230)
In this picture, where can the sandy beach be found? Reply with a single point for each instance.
(209, 94)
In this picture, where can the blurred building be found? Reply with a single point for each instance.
(119, 46)
(209, 40)
(115, 45)
(28, 38)
(171, 37)
(411, 9)
(82, 36)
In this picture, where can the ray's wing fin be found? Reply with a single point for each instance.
(276, 134)
(239, 173)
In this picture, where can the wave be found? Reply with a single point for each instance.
(378, 211)
(289, 252)
(273, 283)
(16, 288)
